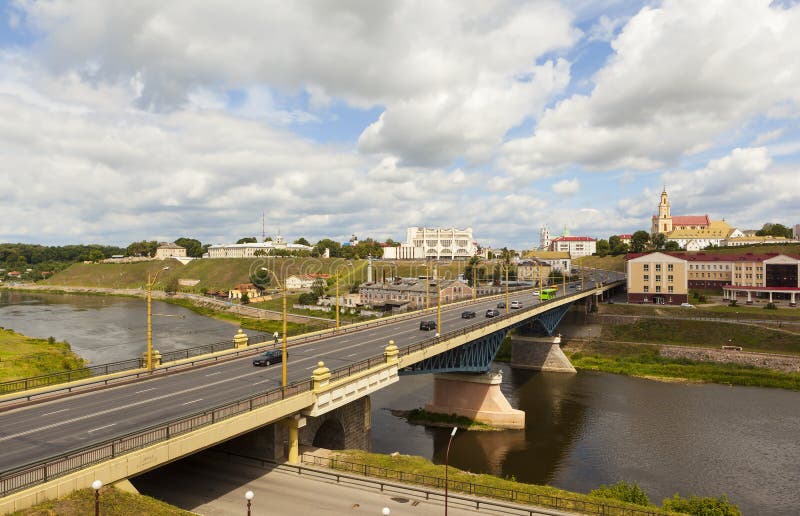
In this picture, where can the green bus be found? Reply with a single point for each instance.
(547, 293)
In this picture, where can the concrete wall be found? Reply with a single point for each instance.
(539, 354)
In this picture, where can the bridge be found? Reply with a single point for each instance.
(59, 442)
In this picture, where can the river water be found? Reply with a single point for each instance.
(582, 430)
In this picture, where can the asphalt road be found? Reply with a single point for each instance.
(208, 485)
(42, 431)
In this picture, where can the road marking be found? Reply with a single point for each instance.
(193, 401)
(352, 355)
(262, 381)
(101, 427)
(213, 374)
(55, 412)
(145, 390)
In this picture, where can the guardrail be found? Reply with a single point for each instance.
(62, 464)
(473, 489)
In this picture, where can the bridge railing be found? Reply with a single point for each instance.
(74, 460)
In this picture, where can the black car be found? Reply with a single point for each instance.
(427, 325)
(469, 314)
(492, 313)
(273, 356)
(501, 304)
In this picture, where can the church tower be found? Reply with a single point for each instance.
(662, 223)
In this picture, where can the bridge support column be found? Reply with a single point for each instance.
(293, 424)
(539, 354)
(475, 396)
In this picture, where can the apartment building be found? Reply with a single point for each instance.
(657, 278)
(411, 294)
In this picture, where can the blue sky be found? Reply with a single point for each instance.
(127, 121)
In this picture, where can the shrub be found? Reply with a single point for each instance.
(308, 298)
(708, 506)
(623, 491)
(770, 306)
(732, 303)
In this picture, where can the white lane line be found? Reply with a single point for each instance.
(214, 374)
(129, 405)
(101, 427)
(262, 381)
(55, 412)
(193, 401)
(352, 355)
(145, 390)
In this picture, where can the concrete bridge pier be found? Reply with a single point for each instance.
(539, 354)
(475, 396)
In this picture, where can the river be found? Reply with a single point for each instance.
(582, 430)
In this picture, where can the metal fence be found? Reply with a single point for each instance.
(474, 489)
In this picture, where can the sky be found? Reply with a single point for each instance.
(125, 121)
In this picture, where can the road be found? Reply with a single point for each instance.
(208, 485)
(46, 430)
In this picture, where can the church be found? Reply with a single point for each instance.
(692, 232)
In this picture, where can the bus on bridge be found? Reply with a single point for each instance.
(547, 293)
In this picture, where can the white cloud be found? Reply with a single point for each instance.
(567, 187)
(680, 76)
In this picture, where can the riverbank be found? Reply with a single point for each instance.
(23, 357)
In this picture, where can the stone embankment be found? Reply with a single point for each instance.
(783, 363)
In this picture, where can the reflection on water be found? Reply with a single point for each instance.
(591, 428)
(105, 329)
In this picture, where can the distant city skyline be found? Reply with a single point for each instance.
(122, 122)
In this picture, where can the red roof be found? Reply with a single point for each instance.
(573, 239)
(716, 257)
(690, 220)
(626, 235)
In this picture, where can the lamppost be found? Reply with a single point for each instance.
(337, 301)
(506, 289)
(427, 282)
(446, 462)
(96, 485)
(283, 347)
(385, 511)
(150, 284)
(438, 305)
(249, 497)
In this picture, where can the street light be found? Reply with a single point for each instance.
(385, 511)
(438, 304)
(283, 348)
(96, 485)
(249, 497)
(446, 461)
(150, 284)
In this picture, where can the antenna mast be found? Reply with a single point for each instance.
(263, 233)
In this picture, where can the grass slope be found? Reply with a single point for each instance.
(113, 502)
(23, 357)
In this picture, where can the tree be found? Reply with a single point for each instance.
(603, 247)
(624, 492)
(95, 255)
(334, 247)
(245, 298)
(171, 286)
(695, 505)
(391, 243)
(659, 239)
(621, 248)
(302, 241)
(470, 269)
(247, 240)
(143, 248)
(193, 247)
(639, 241)
(318, 287)
(614, 241)
(774, 229)
(672, 246)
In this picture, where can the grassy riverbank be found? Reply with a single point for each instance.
(23, 357)
(113, 502)
(417, 470)
(645, 361)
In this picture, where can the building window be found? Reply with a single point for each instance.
(646, 267)
(669, 278)
(647, 277)
(669, 267)
(658, 288)
(658, 278)
(646, 289)
(658, 267)
(669, 289)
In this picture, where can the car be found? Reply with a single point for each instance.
(687, 305)
(535, 293)
(492, 313)
(573, 286)
(468, 314)
(501, 304)
(516, 304)
(273, 356)
(427, 325)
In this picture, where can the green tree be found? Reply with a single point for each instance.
(318, 287)
(247, 240)
(334, 247)
(774, 229)
(307, 298)
(672, 246)
(194, 248)
(639, 241)
(603, 247)
(245, 298)
(614, 241)
(143, 248)
(470, 270)
(707, 506)
(171, 286)
(391, 243)
(95, 255)
(302, 241)
(658, 241)
(624, 492)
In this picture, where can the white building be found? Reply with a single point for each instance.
(574, 245)
(403, 252)
(170, 250)
(253, 249)
(544, 238)
(442, 243)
